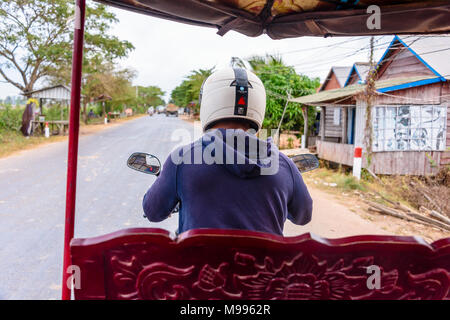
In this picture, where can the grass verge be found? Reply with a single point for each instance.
(14, 141)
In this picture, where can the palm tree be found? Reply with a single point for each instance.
(257, 62)
(237, 62)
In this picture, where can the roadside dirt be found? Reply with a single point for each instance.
(341, 214)
(332, 218)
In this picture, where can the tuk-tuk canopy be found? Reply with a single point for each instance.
(294, 18)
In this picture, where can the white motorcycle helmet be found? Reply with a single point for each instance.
(232, 93)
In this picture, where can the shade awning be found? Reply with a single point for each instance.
(330, 96)
(293, 18)
(57, 92)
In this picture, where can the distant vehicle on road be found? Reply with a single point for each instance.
(128, 112)
(160, 109)
(171, 110)
(151, 111)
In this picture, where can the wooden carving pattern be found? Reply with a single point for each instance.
(303, 277)
(211, 266)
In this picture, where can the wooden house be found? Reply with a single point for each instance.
(410, 116)
(336, 78)
(358, 73)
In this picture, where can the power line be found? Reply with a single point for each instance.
(320, 47)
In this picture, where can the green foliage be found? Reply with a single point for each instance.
(278, 80)
(187, 93)
(10, 118)
(366, 176)
(53, 112)
(432, 162)
(150, 96)
(347, 182)
(41, 29)
(290, 143)
(111, 85)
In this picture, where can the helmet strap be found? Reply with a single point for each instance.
(241, 83)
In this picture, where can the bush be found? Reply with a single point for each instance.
(53, 112)
(11, 119)
(348, 183)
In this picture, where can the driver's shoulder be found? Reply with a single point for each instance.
(184, 153)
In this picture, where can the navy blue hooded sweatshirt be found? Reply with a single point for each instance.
(230, 187)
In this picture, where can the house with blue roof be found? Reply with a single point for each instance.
(410, 114)
(358, 73)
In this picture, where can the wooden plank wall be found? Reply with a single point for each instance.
(335, 152)
(438, 93)
(445, 99)
(429, 94)
(360, 122)
(405, 162)
(403, 63)
(397, 162)
(332, 130)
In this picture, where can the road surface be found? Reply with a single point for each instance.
(109, 197)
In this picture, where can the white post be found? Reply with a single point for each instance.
(357, 163)
(106, 119)
(305, 126)
(47, 130)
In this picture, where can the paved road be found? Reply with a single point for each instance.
(109, 197)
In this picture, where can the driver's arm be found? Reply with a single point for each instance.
(162, 197)
(300, 205)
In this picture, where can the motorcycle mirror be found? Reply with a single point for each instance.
(305, 162)
(144, 162)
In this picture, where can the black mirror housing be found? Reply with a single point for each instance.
(144, 162)
(305, 162)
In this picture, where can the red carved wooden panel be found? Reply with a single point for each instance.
(202, 264)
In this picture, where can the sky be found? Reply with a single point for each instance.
(165, 51)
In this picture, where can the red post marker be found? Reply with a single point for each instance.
(357, 162)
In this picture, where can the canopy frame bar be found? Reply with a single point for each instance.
(72, 158)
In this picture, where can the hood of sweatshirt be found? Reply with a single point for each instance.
(242, 153)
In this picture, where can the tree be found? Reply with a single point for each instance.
(150, 96)
(278, 79)
(115, 84)
(36, 40)
(187, 93)
(237, 62)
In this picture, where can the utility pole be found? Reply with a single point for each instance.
(277, 134)
(370, 96)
